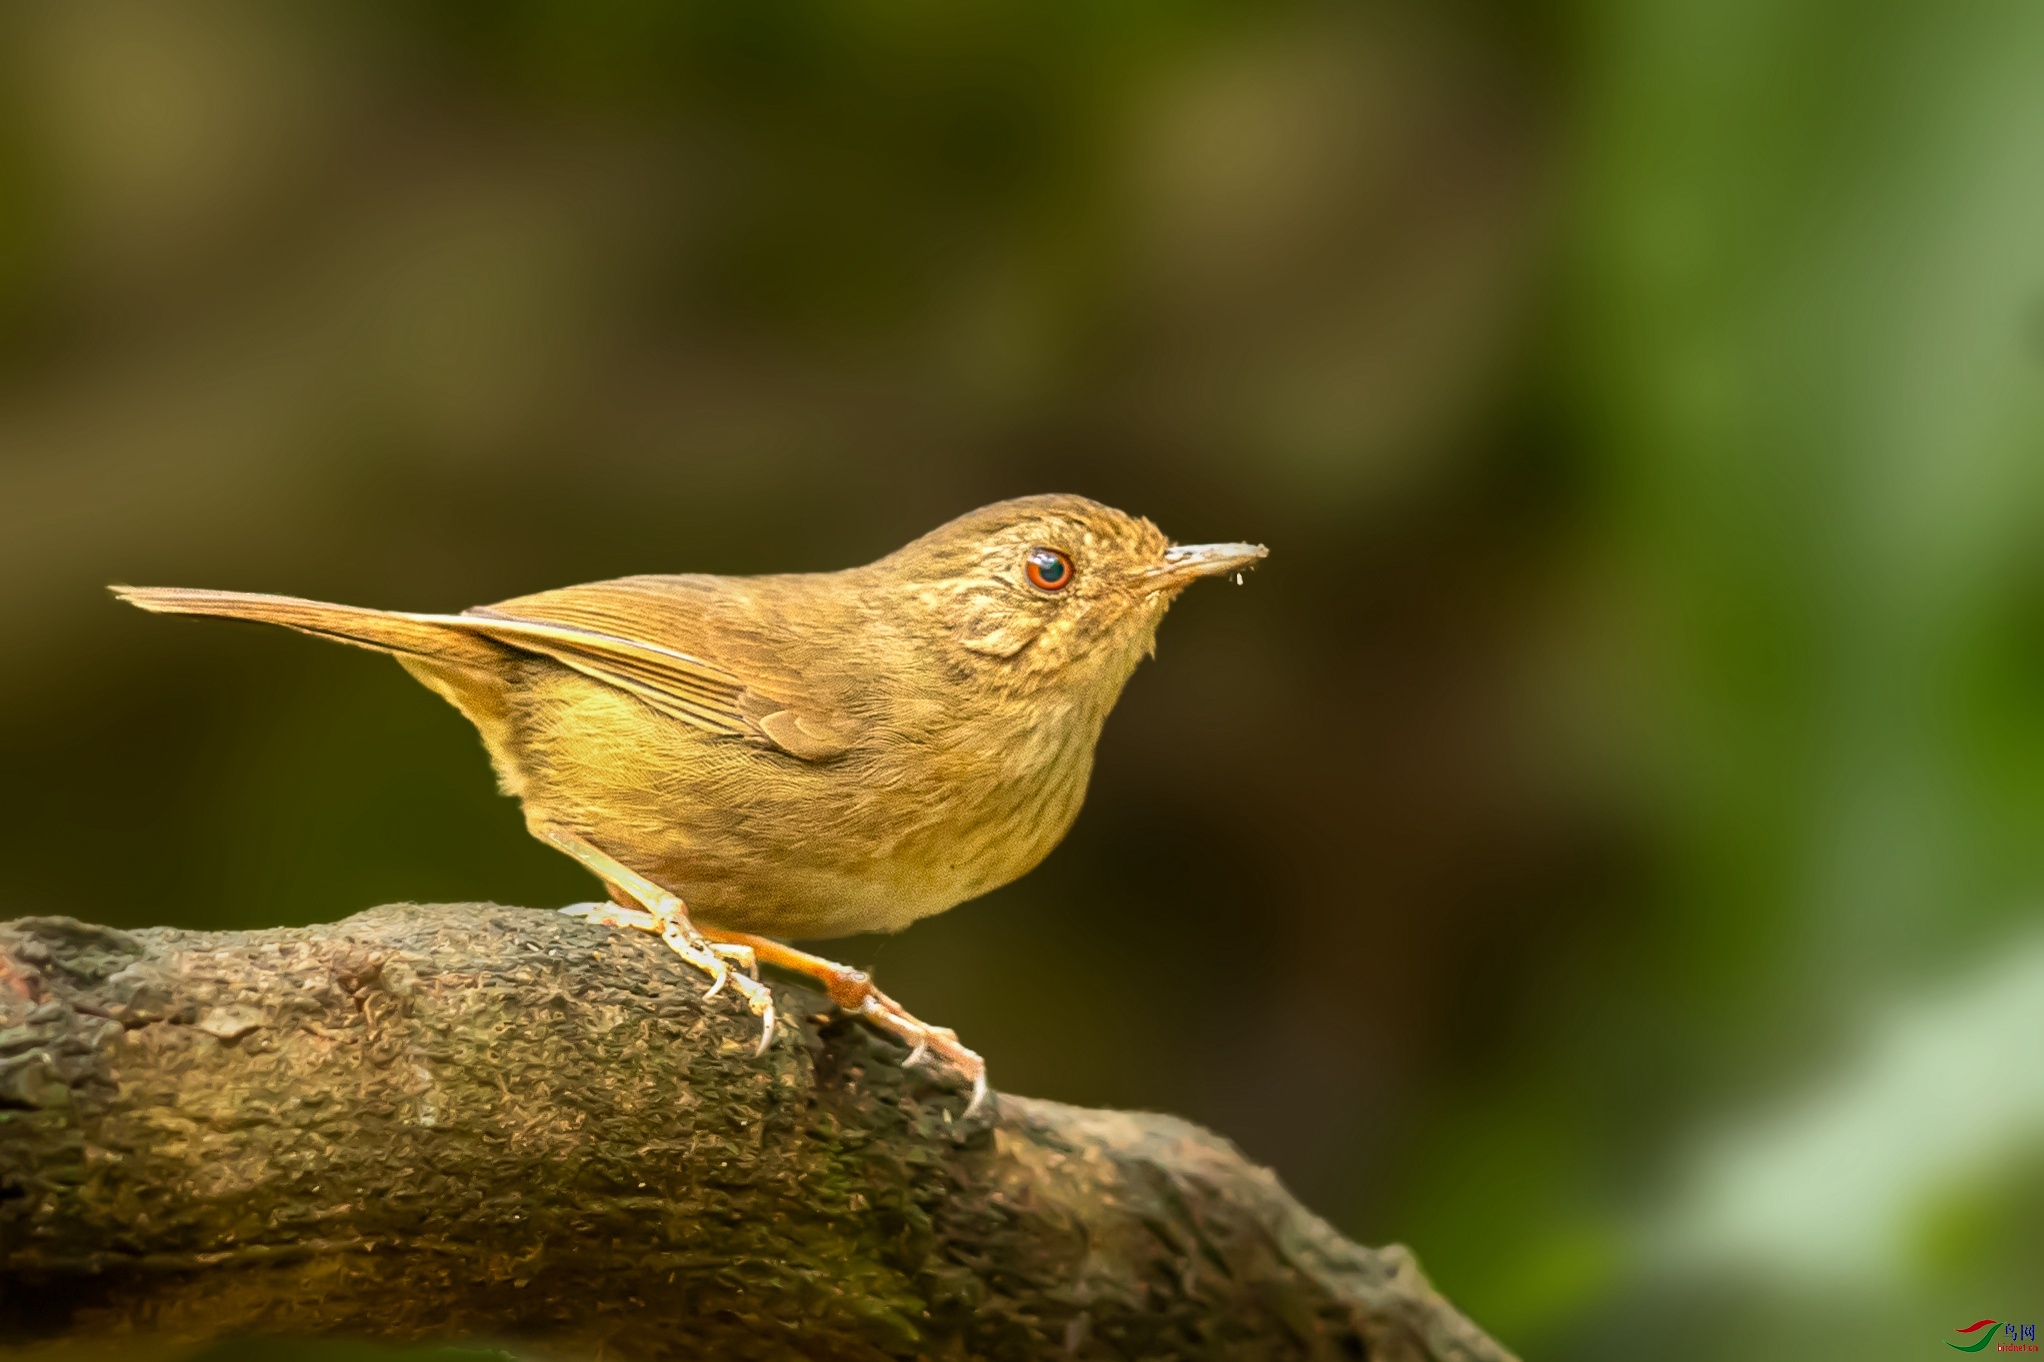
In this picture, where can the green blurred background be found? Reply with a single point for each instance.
(1601, 849)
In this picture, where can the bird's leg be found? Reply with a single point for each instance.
(644, 906)
(853, 990)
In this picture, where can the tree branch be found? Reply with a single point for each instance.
(473, 1122)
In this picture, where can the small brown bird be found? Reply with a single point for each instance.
(803, 755)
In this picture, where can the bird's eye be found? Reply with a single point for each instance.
(1048, 569)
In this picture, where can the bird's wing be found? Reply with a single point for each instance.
(635, 634)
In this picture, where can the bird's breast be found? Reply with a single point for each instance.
(999, 797)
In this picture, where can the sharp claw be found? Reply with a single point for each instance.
(721, 973)
(917, 1055)
(979, 1094)
(579, 910)
(766, 1035)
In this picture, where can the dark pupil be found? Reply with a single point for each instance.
(1050, 567)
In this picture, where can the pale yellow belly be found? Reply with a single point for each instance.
(754, 840)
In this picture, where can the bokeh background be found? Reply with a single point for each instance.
(1600, 849)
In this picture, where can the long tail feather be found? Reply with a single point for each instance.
(383, 630)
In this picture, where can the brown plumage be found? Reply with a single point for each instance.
(809, 754)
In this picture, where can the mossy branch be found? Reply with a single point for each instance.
(481, 1123)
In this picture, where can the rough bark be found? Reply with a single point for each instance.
(483, 1123)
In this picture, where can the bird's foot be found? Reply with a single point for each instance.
(713, 958)
(940, 1041)
(691, 945)
(853, 991)
(614, 915)
(653, 910)
(639, 920)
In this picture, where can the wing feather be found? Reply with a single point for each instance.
(687, 688)
(674, 682)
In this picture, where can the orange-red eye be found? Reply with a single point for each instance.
(1048, 569)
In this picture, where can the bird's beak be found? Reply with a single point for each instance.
(1183, 562)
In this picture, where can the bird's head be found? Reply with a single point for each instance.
(1055, 589)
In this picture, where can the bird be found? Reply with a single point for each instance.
(742, 759)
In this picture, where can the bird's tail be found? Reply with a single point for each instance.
(408, 636)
